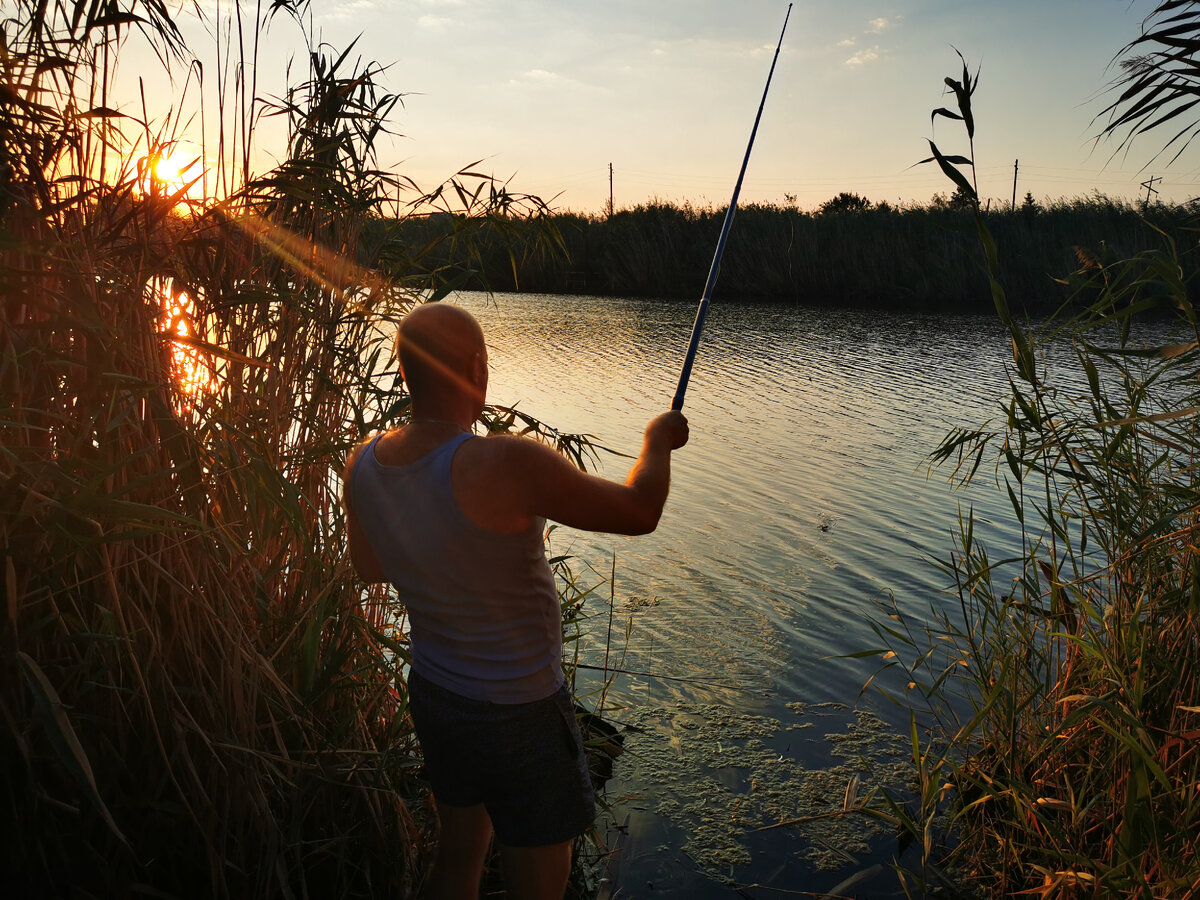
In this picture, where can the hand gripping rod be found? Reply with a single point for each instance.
(702, 312)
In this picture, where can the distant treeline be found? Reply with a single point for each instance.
(848, 252)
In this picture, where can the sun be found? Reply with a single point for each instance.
(170, 170)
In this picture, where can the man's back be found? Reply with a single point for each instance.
(483, 607)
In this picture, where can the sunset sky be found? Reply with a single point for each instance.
(549, 92)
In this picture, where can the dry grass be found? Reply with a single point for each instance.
(199, 699)
(1063, 698)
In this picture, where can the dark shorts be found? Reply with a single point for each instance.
(523, 761)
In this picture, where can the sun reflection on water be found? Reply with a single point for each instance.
(191, 368)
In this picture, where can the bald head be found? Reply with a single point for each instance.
(441, 353)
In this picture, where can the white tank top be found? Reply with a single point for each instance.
(483, 607)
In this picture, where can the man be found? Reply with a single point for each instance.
(456, 523)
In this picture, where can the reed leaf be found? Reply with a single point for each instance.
(180, 380)
(52, 714)
(1054, 693)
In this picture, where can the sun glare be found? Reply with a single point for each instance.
(172, 170)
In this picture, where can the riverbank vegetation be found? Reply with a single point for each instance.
(197, 698)
(848, 252)
(1060, 692)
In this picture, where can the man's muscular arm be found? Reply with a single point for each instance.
(548, 485)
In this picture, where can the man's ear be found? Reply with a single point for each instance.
(479, 374)
(398, 356)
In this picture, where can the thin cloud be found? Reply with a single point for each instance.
(439, 14)
(862, 57)
(539, 77)
(706, 48)
(434, 23)
(868, 54)
(348, 11)
(552, 82)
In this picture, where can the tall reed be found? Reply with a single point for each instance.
(1061, 692)
(199, 699)
(915, 256)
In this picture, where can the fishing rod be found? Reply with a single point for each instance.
(702, 312)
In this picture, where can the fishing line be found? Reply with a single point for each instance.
(702, 312)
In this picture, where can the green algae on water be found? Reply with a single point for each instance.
(718, 776)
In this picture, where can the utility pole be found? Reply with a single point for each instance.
(1149, 186)
(610, 191)
(1014, 203)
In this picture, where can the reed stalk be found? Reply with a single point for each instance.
(1056, 703)
(198, 697)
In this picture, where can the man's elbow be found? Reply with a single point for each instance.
(643, 521)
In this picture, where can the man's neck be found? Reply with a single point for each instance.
(442, 414)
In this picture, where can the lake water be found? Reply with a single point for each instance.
(802, 498)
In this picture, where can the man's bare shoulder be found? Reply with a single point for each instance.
(510, 445)
(514, 452)
(499, 478)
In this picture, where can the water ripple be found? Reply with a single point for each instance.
(802, 498)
